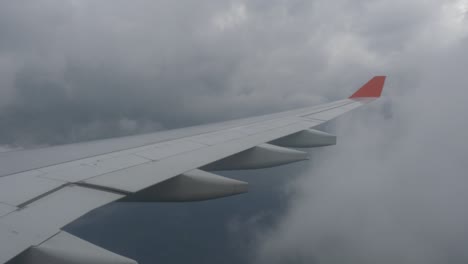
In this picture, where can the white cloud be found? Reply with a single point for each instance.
(233, 17)
(394, 189)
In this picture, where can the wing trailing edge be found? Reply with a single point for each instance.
(66, 248)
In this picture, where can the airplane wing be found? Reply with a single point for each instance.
(42, 190)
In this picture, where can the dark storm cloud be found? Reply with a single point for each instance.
(75, 69)
(76, 66)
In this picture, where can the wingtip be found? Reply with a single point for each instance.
(372, 89)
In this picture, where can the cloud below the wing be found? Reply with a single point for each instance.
(394, 190)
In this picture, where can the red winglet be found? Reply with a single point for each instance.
(373, 88)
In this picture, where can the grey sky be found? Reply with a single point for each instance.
(76, 70)
(393, 190)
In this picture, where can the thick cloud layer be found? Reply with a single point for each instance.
(394, 188)
(77, 70)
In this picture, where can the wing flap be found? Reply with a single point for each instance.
(66, 248)
(44, 217)
(6, 209)
(17, 189)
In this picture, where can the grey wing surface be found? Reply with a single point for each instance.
(42, 190)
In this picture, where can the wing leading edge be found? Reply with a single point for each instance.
(39, 198)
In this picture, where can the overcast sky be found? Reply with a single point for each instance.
(394, 189)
